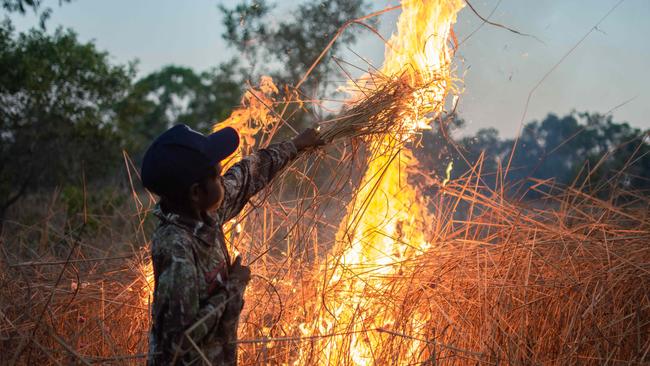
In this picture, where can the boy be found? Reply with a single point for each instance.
(198, 290)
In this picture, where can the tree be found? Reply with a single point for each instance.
(289, 48)
(21, 6)
(176, 95)
(286, 49)
(619, 154)
(560, 148)
(555, 148)
(57, 99)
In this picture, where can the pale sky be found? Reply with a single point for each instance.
(499, 68)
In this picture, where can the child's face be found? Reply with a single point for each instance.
(212, 195)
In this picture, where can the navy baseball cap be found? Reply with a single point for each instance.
(181, 156)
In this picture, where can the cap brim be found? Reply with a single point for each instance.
(222, 144)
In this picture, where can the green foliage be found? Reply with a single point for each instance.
(286, 46)
(57, 99)
(90, 204)
(587, 146)
(73, 199)
(21, 6)
(290, 47)
(66, 112)
(176, 95)
(246, 25)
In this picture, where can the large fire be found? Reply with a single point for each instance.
(386, 225)
(468, 276)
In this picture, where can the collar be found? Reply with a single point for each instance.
(204, 229)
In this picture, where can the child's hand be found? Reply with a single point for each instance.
(307, 139)
(240, 273)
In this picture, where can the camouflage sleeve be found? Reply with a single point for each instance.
(229, 323)
(244, 179)
(178, 293)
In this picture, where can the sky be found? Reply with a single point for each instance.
(607, 72)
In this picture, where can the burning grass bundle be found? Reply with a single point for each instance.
(389, 106)
(385, 107)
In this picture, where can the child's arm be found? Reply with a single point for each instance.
(249, 176)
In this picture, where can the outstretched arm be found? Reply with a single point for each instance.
(249, 176)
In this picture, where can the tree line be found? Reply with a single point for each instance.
(587, 150)
(67, 112)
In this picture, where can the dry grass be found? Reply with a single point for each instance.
(560, 280)
(72, 288)
(376, 113)
(563, 280)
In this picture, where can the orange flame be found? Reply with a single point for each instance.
(385, 225)
(254, 114)
(146, 292)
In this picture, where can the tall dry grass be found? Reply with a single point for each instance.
(563, 279)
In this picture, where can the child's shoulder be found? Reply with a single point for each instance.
(170, 239)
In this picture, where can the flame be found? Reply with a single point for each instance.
(254, 114)
(146, 293)
(385, 224)
(450, 167)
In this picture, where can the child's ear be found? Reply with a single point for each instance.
(195, 193)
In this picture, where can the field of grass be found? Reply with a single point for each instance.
(564, 279)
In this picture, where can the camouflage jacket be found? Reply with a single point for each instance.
(194, 321)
